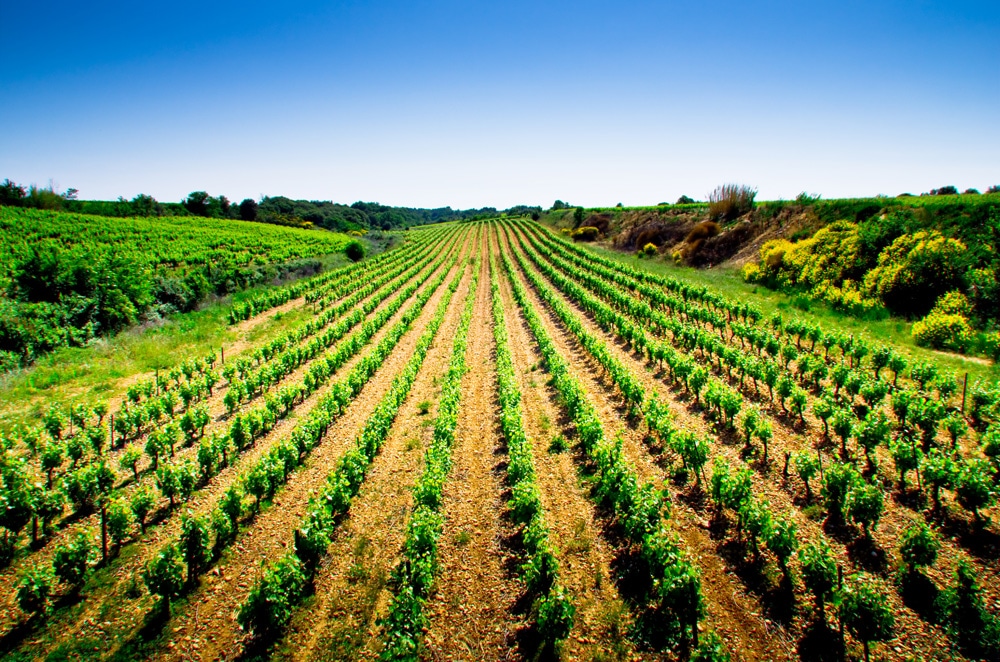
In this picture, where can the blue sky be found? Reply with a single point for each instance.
(500, 103)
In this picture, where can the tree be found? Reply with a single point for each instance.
(248, 210)
(865, 611)
(684, 200)
(197, 203)
(12, 194)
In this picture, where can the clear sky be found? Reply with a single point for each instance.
(435, 103)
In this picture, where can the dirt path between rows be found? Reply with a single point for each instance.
(207, 628)
(340, 621)
(602, 620)
(114, 612)
(471, 614)
(733, 614)
(920, 638)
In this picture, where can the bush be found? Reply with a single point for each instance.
(915, 270)
(354, 250)
(586, 233)
(269, 605)
(72, 559)
(954, 303)
(730, 201)
(866, 612)
(34, 588)
(164, 575)
(649, 250)
(943, 331)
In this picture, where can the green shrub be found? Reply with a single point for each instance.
(919, 547)
(354, 250)
(819, 573)
(72, 559)
(915, 270)
(649, 250)
(586, 233)
(164, 575)
(943, 331)
(269, 605)
(865, 611)
(34, 588)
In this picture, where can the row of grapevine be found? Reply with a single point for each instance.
(414, 576)
(179, 479)
(282, 584)
(552, 608)
(847, 493)
(871, 430)
(272, 470)
(640, 508)
(312, 288)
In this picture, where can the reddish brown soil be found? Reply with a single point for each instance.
(471, 615)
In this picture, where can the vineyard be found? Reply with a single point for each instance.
(492, 443)
(66, 279)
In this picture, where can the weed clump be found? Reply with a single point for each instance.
(731, 201)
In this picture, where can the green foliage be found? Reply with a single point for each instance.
(164, 574)
(865, 505)
(943, 331)
(119, 520)
(555, 616)
(918, 546)
(33, 589)
(819, 572)
(194, 543)
(966, 618)
(142, 503)
(354, 250)
(865, 611)
(915, 270)
(269, 605)
(72, 559)
(73, 277)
